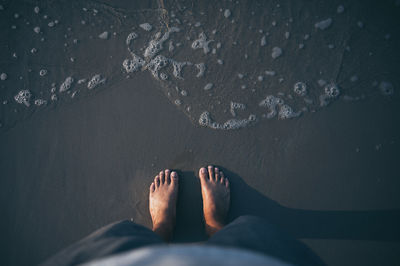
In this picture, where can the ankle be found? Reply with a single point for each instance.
(213, 228)
(163, 229)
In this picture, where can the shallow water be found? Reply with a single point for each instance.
(204, 57)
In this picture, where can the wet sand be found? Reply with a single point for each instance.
(70, 171)
(328, 177)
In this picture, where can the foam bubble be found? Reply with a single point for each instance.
(271, 102)
(287, 35)
(340, 9)
(332, 90)
(156, 64)
(300, 88)
(202, 68)
(208, 86)
(171, 47)
(386, 88)
(205, 120)
(156, 44)
(23, 97)
(263, 41)
(276, 52)
(43, 72)
(163, 76)
(95, 81)
(227, 13)
(36, 9)
(324, 24)
(104, 35)
(3, 76)
(321, 82)
(36, 29)
(40, 102)
(236, 123)
(131, 36)
(178, 68)
(202, 43)
(146, 26)
(236, 106)
(134, 64)
(66, 85)
(286, 112)
(270, 72)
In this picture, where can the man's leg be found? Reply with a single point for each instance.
(108, 240)
(257, 234)
(248, 232)
(126, 235)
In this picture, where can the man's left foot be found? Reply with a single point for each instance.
(163, 196)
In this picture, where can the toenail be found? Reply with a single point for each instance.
(210, 166)
(203, 170)
(173, 174)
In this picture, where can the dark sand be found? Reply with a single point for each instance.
(330, 178)
(67, 172)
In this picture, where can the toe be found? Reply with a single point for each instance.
(174, 177)
(203, 174)
(217, 176)
(226, 182)
(152, 187)
(167, 176)
(211, 172)
(162, 177)
(157, 181)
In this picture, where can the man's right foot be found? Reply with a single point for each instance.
(216, 198)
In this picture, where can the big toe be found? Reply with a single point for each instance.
(174, 177)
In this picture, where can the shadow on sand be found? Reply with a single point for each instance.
(378, 225)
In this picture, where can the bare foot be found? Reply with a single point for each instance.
(216, 198)
(163, 196)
